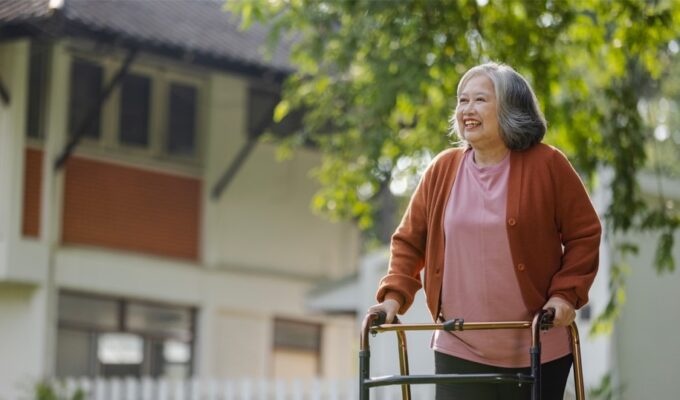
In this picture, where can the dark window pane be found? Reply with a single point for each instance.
(159, 320)
(182, 120)
(87, 311)
(74, 353)
(86, 86)
(134, 110)
(39, 63)
(297, 335)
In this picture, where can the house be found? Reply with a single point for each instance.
(144, 230)
(155, 236)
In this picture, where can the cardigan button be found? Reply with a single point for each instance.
(512, 222)
(520, 267)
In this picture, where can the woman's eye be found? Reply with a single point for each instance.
(480, 99)
(462, 101)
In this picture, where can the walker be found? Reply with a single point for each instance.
(374, 323)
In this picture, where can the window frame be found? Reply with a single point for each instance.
(149, 126)
(36, 92)
(93, 331)
(102, 118)
(200, 125)
(316, 352)
(308, 324)
(161, 74)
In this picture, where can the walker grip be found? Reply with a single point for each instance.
(547, 318)
(380, 319)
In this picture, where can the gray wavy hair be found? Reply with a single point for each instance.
(522, 123)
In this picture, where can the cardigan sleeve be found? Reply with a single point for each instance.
(407, 249)
(580, 231)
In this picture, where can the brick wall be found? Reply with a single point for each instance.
(126, 208)
(32, 192)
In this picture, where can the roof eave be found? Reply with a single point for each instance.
(57, 26)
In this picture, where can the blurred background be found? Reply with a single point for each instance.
(196, 197)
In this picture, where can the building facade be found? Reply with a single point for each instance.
(155, 235)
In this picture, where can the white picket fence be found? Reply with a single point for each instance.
(196, 389)
(242, 389)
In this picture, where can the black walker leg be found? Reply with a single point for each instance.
(364, 370)
(536, 372)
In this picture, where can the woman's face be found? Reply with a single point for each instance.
(476, 114)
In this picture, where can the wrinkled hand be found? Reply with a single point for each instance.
(564, 311)
(390, 307)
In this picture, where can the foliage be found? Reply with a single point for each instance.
(50, 391)
(606, 390)
(604, 323)
(377, 80)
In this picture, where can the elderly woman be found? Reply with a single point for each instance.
(502, 227)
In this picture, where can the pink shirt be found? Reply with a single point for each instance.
(479, 282)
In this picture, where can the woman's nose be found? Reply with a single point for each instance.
(466, 108)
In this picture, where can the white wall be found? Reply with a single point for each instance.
(13, 71)
(22, 327)
(646, 334)
(236, 308)
(263, 220)
(242, 336)
(339, 348)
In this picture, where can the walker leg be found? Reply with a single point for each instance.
(578, 366)
(403, 364)
(536, 372)
(364, 368)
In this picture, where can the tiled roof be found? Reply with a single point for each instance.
(22, 10)
(196, 27)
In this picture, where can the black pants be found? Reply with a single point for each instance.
(554, 376)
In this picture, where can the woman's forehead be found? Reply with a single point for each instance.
(478, 83)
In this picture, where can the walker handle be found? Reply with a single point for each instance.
(381, 317)
(548, 318)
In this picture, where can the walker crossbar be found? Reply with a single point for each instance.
(448, 378)
(374, 323)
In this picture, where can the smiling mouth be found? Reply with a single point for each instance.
(472, 124)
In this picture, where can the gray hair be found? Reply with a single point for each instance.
(522, 124)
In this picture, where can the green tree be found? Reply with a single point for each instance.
(377, 80)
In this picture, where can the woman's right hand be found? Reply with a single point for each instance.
(390, 307)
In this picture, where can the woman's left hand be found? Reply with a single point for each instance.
(564, 311)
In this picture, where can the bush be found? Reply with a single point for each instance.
(50, 391)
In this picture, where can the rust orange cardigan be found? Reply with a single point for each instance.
(553, 231)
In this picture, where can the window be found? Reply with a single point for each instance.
(134, 110)
(95, 312)
(297, 349)
(37, 82)
(297, 335)
(120, 354)
(182, 120)
(152, 112)
(86, 87)
(160, 320)
(102, 336)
